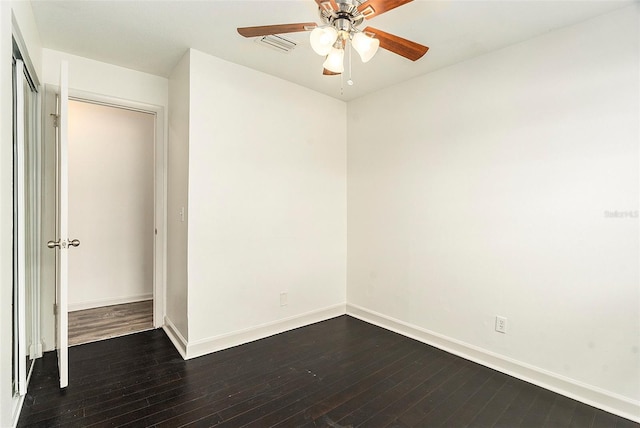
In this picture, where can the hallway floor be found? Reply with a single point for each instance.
(95, 324)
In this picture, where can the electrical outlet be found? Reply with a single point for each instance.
(501, 324)
(283, 299)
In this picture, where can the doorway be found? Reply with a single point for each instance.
(116, 210)
(111, 211)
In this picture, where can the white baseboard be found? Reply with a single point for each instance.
(585, 393)
(90, 304)
(198, 348)
(35, 350)
(175, 336)
(16, 410)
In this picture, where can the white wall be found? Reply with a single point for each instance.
(6, 231)
(111, 205)
(25, 26)
(267, 199)
(102, 80)
(482, 189)
(105, 79)
(177, 197)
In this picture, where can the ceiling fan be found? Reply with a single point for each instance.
(342, 19)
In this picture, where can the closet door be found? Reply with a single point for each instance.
(26, 240)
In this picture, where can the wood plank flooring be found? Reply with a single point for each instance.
(337, 373)
(90, 325)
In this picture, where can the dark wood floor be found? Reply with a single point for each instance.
(337, 373)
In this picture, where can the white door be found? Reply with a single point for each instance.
(62, 243)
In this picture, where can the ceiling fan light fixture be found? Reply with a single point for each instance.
(341, 21)
(335, 61)
(365, 46)
(322, 39)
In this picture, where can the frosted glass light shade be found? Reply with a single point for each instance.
(365, 46)
(335, 61)
(322, 39)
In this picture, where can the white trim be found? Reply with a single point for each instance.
(35, 350)
(588, 394)
(159, 217)
(160, 186)
(217, 343)
(175, 336)
(17, 409)
(18, 402)
(90, 304)
(21, 219)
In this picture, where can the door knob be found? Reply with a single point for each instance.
(63, 243)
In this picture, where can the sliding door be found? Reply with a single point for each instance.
(26, 231)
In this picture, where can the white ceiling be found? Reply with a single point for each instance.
(151, 36)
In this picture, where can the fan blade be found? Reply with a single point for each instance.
(372, 8)
(329, 72)
(403, 47)
(327, 5)
(276, 29)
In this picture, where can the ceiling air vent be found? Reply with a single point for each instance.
(276, 42)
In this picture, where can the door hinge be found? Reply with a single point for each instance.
(55, 119)
(55, 309)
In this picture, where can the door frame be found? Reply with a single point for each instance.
(159, 182)
(20, 218)
(19, 50)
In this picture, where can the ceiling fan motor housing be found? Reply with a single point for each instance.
(346, 18)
